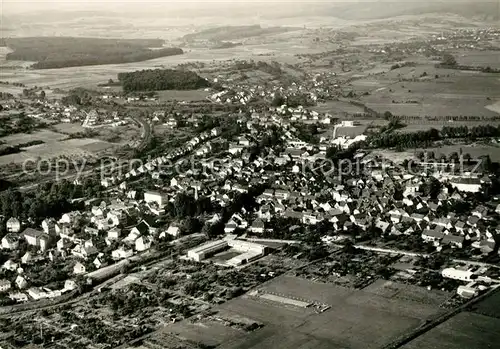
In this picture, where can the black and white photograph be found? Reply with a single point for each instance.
(238, 174)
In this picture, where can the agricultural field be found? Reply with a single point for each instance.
(428, 91)
(196, 95)
(425, 125)
(475, 150)
(70, 149)
(478, 58)
(463, 331)
(338, 108)
(45, 136)
(91, 76)
(489, 307)
(69, 128)
(350, 131)
(367, 318)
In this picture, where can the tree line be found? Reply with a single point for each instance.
(161, 79)
(424, 138)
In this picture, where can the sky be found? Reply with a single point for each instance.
(33, 6)
(30, 5)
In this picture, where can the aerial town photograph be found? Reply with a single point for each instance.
(238, 174)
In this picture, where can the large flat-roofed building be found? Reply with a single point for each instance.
(249, 251)
(201, 252)
(245, 258)
(246, 246)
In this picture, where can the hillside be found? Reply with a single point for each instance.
(228, 33)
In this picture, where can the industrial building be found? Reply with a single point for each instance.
(250, 251)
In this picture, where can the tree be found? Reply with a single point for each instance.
(1, 107)
(453, 157)
(42, 95)
(388, 115)
(485, 163)
(449, 60)
(466, 157)
(278, 100)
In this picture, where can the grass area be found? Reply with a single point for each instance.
(45, 136)
(463, 331)
(196, 95)
(367, 318)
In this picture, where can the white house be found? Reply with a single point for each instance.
(114, 234)
(13, 225)
(142, 244)
(79, 269)
(10, 242)
(173, 230)
(10, 265)
(154, 196)
(27, 258)
(21, 282)
(122, 253)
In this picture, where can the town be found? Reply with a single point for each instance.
(268, 195)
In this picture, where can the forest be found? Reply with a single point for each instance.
(60, 52)
(161, 79)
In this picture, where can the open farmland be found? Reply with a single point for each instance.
(71, 148)
(490, 306)
(475, 150)
(45, 136)
(429, 91)
(463, 331)
(338, 108)
(478, 58)
(90, 76)
(196, 95)
(367, 318)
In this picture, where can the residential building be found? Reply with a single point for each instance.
(13, 225)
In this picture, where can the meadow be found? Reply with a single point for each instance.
(463, 331)
(364, 319)
(425, 90)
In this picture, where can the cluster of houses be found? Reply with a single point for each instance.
(94, 119)
(242, 93)
(46, 110)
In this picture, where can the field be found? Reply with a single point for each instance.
(490, 306)
(478, 58)
(415, 91)
(363, 319)
(338, 108)
(196, 95)
(45, 136)
(475, 150)
(425, 125)
(55, 145)
(463, 331)
(69, 128)
(90, 76)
